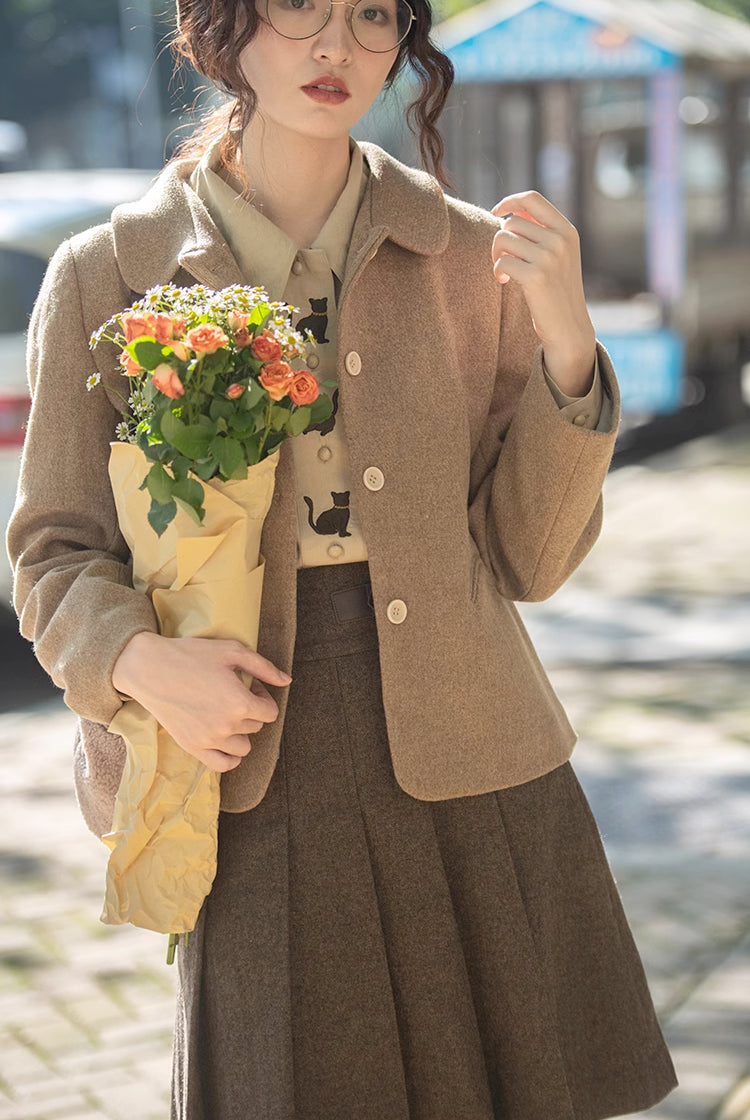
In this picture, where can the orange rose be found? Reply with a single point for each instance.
(235, 391)
(237, 320)
(164, 329)
(178, 322)
(130, 365)
(137, 325)
(242, 337)
(276, 377)
(166, 380)
(206, 338)
(266, 348)
(304, 388)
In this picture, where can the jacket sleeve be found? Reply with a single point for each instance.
(73, 589)
(535, 503)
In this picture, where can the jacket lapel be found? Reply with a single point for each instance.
(170, 228)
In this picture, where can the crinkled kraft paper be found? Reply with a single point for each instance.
(204, 581)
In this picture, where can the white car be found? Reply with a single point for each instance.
(38, 210)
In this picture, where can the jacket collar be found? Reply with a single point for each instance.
(169, 227)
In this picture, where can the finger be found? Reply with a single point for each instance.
(531, 204)
(510, 244)
(511, 268)
(219, 760)
(527, 228)
(242, 657)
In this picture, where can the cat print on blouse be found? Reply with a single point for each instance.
(333, 520)
(317, 321)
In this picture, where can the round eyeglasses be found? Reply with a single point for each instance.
(377, 25)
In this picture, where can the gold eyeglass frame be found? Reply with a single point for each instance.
(346, 4)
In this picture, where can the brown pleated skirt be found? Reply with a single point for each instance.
(364, 955)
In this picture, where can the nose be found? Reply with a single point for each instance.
(335, 41)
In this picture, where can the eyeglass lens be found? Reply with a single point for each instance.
(378, 25)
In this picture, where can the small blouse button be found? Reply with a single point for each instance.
(580, 419)
(353, 363)
(313, 361)
(335, 550)
(396, 610)
(374, 478)
(297, 266)
(324, 453)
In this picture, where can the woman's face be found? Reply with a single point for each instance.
(279, 69)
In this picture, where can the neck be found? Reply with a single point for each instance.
(296, 179)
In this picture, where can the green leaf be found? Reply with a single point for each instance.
(221, 409)
(171, 425)
(160, 484)
(231, 455)
(321, 408)
(255, 393)
(190, 491)
(180, 467)
(147, 352)
(159, 516)
(279, 417)
(206, 468)
(299, 420)
(196, 515)
(252, 446)
(191, 440)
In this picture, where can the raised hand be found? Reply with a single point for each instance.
(540, 249)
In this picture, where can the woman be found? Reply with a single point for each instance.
(413, 914)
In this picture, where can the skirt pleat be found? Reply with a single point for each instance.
(364, 955)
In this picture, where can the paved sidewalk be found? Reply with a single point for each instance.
(86, 1010)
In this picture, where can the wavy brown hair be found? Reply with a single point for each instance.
(206, 37)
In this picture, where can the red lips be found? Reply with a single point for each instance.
(328, 80)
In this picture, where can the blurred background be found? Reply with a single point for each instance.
(633, 117)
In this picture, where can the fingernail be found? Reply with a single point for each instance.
(285, 677)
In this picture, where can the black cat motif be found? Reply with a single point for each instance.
(333, 520)
(317, 321)
(327, 425)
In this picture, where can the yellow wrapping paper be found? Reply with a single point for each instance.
(204, 581)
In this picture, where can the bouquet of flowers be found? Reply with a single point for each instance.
(211, 396)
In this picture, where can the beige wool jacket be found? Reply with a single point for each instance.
(441, 383)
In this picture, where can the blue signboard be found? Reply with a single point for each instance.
(543, 41)
(649, 367)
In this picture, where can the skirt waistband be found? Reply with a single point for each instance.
(335, 613)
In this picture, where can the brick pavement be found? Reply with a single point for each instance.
(86, 1010)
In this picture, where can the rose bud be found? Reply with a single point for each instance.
(237, 320)
(130, 365)
(167, 381)
(242, 337)
(180, 349)
(236, 390)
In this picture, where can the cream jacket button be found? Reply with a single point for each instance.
(335, 550)
(580, 419)
(313, 361)
(353, 363)
(297, 266)
(324, 453)
(374, 478)
(396, 610)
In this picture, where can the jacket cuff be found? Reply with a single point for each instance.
(584, 412)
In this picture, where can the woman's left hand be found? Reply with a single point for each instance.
(540, 249)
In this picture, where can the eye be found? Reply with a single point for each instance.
(372, 14)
